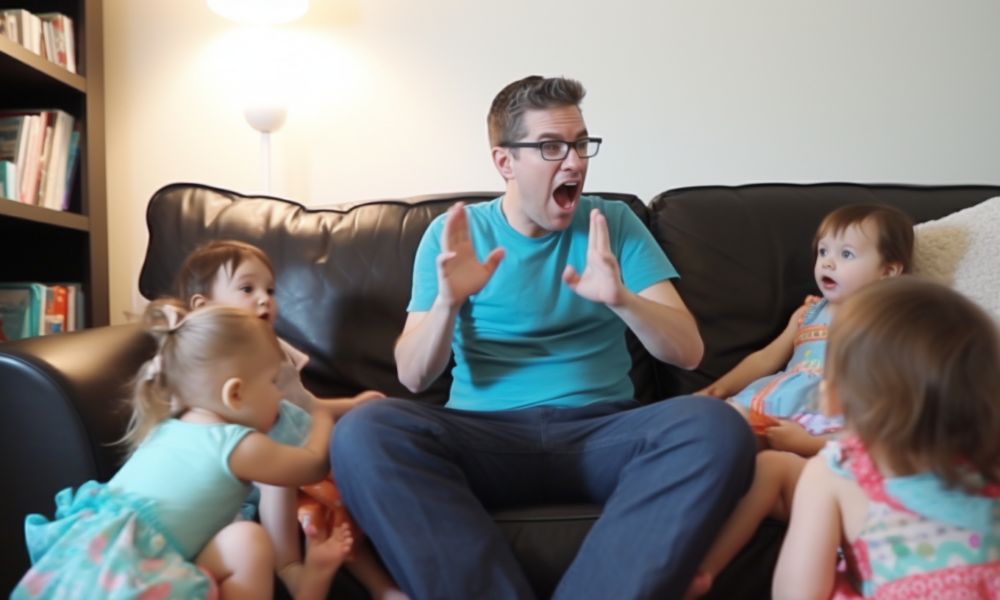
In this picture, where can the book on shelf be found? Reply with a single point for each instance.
(8, 180)
(8, 26)
(73, 163)
(57, 34)
(26, 28)
(15, 135)
(31, 309)
(56, 309)
(47, 34)
(40, 143)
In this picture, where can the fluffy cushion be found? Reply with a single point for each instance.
(962, 251)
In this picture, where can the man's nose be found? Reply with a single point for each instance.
(572, 160)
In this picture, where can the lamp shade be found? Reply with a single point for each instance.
(266, 117)
(260, 12)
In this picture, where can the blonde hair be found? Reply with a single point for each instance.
(190, 346)
(202, 266)
(894, 230)
(916, 367)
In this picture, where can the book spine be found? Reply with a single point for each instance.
(72, 160)
(9, 188)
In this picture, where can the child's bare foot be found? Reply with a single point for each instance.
(327, 553)
(700, 585)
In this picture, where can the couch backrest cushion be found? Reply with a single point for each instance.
(745, 256)
(343, 274)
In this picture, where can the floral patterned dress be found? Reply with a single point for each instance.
(921, 540)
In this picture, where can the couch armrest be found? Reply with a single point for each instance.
(61, 406)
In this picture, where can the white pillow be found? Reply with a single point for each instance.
(963, 251)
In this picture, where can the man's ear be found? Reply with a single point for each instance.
(198, 301)
(503, 161)
(892, 269)
(232, 391)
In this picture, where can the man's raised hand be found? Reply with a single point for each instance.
(460, 274)
(602, 277)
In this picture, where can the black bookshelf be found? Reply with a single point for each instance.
(40, 244)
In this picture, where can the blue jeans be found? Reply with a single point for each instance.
(420, 480)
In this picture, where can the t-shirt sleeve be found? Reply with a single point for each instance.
(642, 261)
(229, 436)
(424, 289)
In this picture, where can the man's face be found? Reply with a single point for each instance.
(542, 195)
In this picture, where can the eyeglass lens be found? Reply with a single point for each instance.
(559, 150)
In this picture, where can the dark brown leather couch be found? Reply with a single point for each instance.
(744, 255)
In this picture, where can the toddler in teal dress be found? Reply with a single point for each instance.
(856, 246)
(162, 527)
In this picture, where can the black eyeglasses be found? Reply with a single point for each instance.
(558, 150)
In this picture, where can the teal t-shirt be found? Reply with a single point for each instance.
(527, 339)
(184, 468)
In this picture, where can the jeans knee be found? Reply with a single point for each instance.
(365, 433)
(724, 433)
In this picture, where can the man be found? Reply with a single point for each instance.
(533, 292)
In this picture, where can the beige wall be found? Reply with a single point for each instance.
(389, 97)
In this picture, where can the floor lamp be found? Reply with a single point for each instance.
(265, 116)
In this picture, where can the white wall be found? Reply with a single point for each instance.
(389, 98)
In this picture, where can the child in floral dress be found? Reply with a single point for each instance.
(162, 527)
(911, 494)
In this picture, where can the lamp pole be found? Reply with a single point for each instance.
(266, 118)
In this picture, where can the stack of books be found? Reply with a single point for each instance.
(43, 146)
(30, 309)
(47, 34)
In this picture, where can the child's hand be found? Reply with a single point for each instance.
(788, 436)
(367, 396)
(338, 407)
(714, 391)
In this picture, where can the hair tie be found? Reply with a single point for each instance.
(173, 317)
(155, 368)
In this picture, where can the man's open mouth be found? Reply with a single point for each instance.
(566, 195)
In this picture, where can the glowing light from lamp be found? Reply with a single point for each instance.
(260, 12)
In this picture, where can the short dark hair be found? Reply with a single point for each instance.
(914, 365)
(895, 230)
(201, 267)
(506, 117)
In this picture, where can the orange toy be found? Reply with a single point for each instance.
(761, 422)
(321, 504)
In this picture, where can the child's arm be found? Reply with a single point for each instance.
(790, 436)
(808, 560)
(767, 361)
(259, 458)
(338, 407)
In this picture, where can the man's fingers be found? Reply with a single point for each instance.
(592, 234)
(599, 225)
(456, 226)
(493, 260)
(571, 277)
